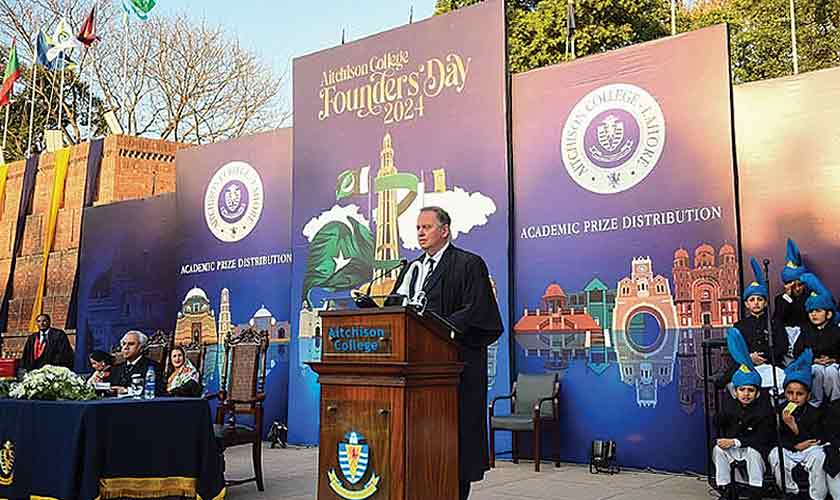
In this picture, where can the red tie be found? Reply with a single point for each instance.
(39, 346)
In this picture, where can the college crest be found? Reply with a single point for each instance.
(613, 138)
(353, 461)
(7, 463)
(233, 201)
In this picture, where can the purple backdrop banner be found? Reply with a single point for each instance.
(234, 257)
(383, 126)
(780, 124)
(126, 278)
(625, 241)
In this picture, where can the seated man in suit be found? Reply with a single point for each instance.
(133, 343)
(47, 346)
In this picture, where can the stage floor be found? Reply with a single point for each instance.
(290, 474)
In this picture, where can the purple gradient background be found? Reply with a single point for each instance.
(464, 133)
(688, 76)
(788, 141)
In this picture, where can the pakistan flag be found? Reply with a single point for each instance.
(340, 257)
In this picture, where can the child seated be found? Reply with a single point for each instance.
(745, 424)
(800, 432)
(823, 336)
(754, 329)
(789, 306)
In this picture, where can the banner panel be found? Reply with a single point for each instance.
(384, 126)
(126, 273)
(625, 241)
(788, 143)
(234, 258)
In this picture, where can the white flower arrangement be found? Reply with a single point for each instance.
(52, 383)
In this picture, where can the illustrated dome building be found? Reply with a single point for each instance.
(196, 321)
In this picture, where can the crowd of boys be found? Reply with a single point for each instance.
(806, 343)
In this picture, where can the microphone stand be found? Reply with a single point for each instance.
(364, 299)
(773, 391)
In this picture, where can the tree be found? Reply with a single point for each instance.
(537, 28)
(760, 34)
(185, 81)
(759, 30)
(45, 112)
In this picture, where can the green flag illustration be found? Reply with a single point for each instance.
(352, 182)
(340, 257)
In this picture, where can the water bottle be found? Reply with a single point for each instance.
(149, 388)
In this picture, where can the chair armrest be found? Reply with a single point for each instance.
(492, 405)
(259, 398)
(539, 403)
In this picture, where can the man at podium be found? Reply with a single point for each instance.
(457, 286)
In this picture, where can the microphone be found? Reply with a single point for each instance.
(364, 300)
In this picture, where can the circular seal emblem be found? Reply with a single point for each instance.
(613, 138)
(233, 201)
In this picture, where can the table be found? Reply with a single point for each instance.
(127, 448)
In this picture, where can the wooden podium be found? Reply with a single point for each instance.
(389, 406)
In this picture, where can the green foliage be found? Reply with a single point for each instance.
(759, 30)
(760, 38)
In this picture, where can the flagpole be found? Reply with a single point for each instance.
(125, 72)
(32, 103)
(90, 95)
(793, 38)
(61, 97)
(673, 17)
(6, 127)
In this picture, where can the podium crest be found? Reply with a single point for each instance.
(7, 463)
(353, 460)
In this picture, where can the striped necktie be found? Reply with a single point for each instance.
(431, 263)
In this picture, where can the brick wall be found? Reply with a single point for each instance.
(132, 168)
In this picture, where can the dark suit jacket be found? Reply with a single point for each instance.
(459, 290)
(121, 374)
(58, 351)
(753, 425)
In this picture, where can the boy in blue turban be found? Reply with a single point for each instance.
(789, 311)
(801, 431)
(753, 325)
(745, 423)
(823, 336)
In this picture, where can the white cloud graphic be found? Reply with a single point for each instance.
(336, 213)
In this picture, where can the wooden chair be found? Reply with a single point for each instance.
(535, 402)
(195, 353)
(242, 393)
(158, 348)
(116, 352)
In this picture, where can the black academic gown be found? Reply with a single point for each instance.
(121, 374)
(58, 351)
(459, 290)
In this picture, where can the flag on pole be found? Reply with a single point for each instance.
(11, 74)
(87, 35)
(571, 26)
(139, 8)
(43, 47)
(63, 40)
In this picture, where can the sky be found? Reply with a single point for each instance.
(280, 30)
